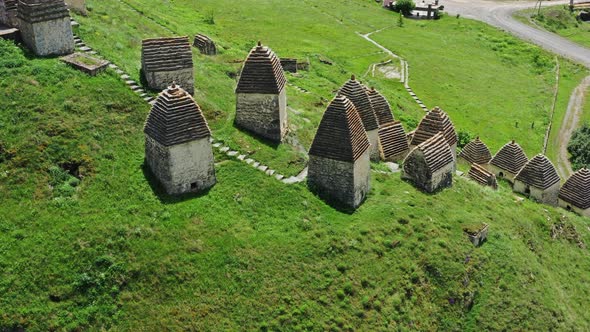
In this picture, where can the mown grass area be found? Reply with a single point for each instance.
(560, 20)
(491, 84)
(107, 250)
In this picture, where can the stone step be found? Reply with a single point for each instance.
(125, 77)
(85, 49)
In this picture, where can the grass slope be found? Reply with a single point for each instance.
(112, 252)
(481, 76)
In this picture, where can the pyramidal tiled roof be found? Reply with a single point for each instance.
(393, 139)
(437, 152)
(476, 152)
(42, 10)
(480, 175)
(356, 92)
(176, 118)
(380, 106)
(576, 190)
(340, 135)
(538, 172)
(510, 158)
(433, 122)
(262, 72)
(166, 54)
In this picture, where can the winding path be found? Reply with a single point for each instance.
(499, 14)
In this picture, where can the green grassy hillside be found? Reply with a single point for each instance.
(111, 251)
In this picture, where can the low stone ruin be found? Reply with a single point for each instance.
(539, 180)
(476, 152)
(85, 63)
(45, 27)
(357, 94)
(205, 45)
(430, 165)
(434, 122)
(289, 65)
(508, 161)
(177, 146)
(339, 165)
(482, 176)
(574, 195)
(78, 6)
(261, 97)
(477, 234)
(167, 60)
(9, 13)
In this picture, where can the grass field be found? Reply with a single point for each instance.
(470, 80)
(560, 20)
(107, 250)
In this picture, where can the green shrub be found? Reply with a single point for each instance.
(579, 148)
(404, 6)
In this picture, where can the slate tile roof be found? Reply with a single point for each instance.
(539, 172)
(476, 152)
(576, 190)
(510, 158)
(381, 107)
(166, 54)
(393, 139)
(480, 175)
(437, 152)
(435, 121)
(262, 72)
(340, 135)
(356, 92)
(34, 11)
(176, 118)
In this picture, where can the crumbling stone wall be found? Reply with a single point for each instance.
(160, 80)
(548, 196)
(182, 168)
(344, 182)
(263, 114)
(416, 171)
(289, 64)
(8, 13)
(52, 37)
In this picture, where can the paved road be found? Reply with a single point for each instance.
(499, 14)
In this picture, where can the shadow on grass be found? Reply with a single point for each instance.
(159, 191)
(270, 143)
(333, 202)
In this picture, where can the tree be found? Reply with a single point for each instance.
(579, 148)
(404, 6)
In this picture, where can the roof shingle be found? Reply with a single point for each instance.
(166, 54)
(393, 139)
(476, 152)
(262, 72)
(576, 190)
(433, 122)
(357, 94)
(510, 158)
(539, 173)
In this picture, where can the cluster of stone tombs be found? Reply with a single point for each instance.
(358, 126)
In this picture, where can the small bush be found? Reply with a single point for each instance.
(404, 6)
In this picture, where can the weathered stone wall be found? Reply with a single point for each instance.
(3, 17)
(182, 168)
(78, 6)
(573, 208)
(8, 14)
(344, 182)
(48, 38)
(416, 171)
(263, 114)
(160, 80)
(375, 152)
(547, 196)
(504, 174)
(289, 64)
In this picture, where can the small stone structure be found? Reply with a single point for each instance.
(339, 165)
(9, 13)
(482, 176)
(430, 165)
(177, 147)
(477, 234)
(45, 27)
(167, 60)
(539, 180)
(508, 161)
(476, 152)
(85, 63)
(393, 142)
(434, 122)
(358, 95)
(205, 45)
(574, 195)
(261, 97)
